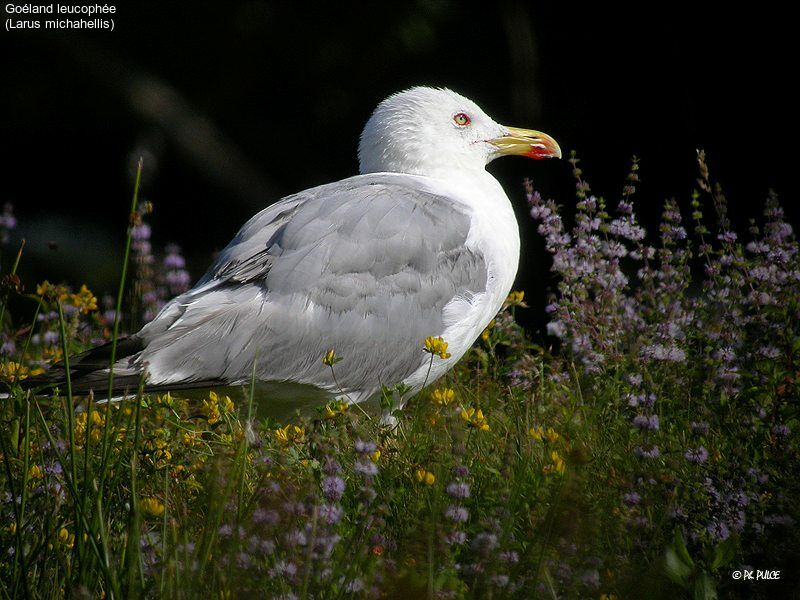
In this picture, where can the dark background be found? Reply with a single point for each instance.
(235, 104)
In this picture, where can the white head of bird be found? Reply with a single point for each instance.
(436, 132)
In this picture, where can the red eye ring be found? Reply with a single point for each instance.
(461, 119)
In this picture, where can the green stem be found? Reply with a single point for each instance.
(115, 334)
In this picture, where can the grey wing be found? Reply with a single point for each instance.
(364, 266)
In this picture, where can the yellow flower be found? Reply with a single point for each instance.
(66, 538)
(425, 477)
(488, 331)
(436, 345)
(330, 358)
(516, 298)
(211, 408)
(12, 371)
(152, 507)
(95, 435)
(35, 472)
(443, 396)
(12, 529)
(290, 433)
(538, 433)
(558, 466)
(335, 408)
(375, 455)
(475, 418)
(84, 300)
(97, 418)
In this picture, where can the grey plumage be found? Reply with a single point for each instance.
(364, 266)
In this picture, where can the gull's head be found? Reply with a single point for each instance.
(437, 132)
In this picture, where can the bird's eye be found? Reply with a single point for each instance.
(461, 119)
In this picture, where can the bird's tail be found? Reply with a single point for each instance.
(89, 372)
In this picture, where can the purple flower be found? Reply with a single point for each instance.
(485, 542)
(331, 467)
(365, 467)
(458, 490)
(646, 422)
(781, 430)
(363, 447)
(265, 517)
(718, 530)
(699, 427)
(697, 455)
(456, 538)
(330, 513)
(141, 232)
(295, 538)
(460, 471)
(457, 514)
(173, 259)
(243, 560)
(631, 499)
(333, 487)
(650, 452)
(510, 557)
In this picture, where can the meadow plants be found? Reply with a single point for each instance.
(644, 448)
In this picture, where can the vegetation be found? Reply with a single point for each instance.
(649, 453)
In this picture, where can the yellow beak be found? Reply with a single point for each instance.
(526, 142)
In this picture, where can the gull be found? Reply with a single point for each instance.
(423, 243)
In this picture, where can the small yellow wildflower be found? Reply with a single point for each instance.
(335, 408)
(486, 334)
(97, 418)
(475, 418)
(84, 300)
(12, 371)
(425, 477)
(66, 538)
(12, 529)
(330, 358)
(436, 345)
(516, 298)
(152, 507)
(290, 433)
(375, 455)
(538, 433)
(35, 472)
(558, 466)
(443, 396)
(47, 289)
(96, 434)
(211, 408)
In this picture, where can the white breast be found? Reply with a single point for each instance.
(494, 233)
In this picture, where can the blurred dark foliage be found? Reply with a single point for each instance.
(235, 104)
